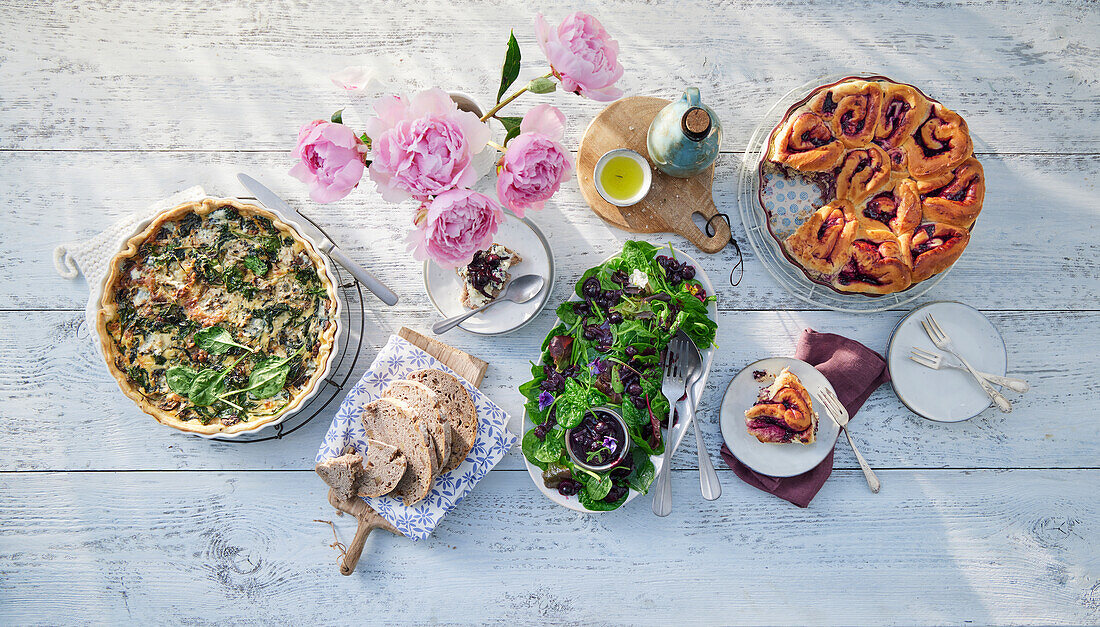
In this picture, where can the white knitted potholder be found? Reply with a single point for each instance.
(91, 256)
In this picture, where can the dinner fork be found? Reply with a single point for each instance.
(673, 388)
(840, 416)
(936, 361)
(943, 342)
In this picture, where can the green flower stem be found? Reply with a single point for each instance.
(500, 106)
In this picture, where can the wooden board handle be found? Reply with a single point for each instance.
(687, 227)
(351, 559)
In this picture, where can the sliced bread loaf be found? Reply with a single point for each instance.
(456, 407)
(342, 474)
(391, 421)
(383, 469)
(424, 403)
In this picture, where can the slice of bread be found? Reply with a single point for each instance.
(391, 421)
(424, 403)
(456, 407)
(342, 474)
(383, 469)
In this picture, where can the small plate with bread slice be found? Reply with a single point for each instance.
(518, 248)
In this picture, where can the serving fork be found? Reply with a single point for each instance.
(692, 360)
(840, 416)
(936, 361)
(673, 387)
(943, 342)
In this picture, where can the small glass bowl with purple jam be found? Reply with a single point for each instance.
(600, 442)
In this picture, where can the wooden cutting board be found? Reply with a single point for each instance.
(671, 201)
(468, 367)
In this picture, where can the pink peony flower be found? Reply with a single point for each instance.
(455, 225)
(423, 146)
(533, 168)
(331, 160)
(582, 55)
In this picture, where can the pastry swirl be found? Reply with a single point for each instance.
(821, 243)
(807, 143)
(863, 172)
(877, 264)
(784, 412)
(940, 143)
(954, 196)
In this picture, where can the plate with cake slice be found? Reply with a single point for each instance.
(772, 419)
(518, 248)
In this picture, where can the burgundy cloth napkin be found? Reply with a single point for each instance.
(855, 371)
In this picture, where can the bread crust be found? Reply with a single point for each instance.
(109, 309)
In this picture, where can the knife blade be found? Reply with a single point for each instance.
(272, 201)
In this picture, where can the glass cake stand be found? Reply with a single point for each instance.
(773, 204)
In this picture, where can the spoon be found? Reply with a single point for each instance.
(520, 290)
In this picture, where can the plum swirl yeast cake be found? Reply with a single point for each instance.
(903, 186)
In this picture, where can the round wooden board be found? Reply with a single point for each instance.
(671, 202)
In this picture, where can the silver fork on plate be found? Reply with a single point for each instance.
(943, 342)
(840, 416)
(673, 388)
(936, 361)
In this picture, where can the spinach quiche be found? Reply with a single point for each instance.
(218, 317)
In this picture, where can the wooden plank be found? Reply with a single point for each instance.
(466, 365)
(934, 547)
(1037, 236)
(56, 397)
(231, 76)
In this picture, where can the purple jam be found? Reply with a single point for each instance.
(598, 440)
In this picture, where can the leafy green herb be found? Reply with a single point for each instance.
(180, 379)
(642, 474)
(138, 376)
(510, 70)
(598, 485)
(258, 266)
(217, 341)
(268, 377)
(552, 447)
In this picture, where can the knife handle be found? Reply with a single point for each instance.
(366, 278)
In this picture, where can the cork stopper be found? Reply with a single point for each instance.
(696, 124)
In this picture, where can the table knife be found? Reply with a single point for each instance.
(268, 198)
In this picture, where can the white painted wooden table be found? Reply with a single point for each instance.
(108, 517)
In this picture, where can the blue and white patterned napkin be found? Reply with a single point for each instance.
(395, 361)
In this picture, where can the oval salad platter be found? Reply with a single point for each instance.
(603, 347)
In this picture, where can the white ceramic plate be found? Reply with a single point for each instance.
(775, 460)
(945, 395)
(572, 502)
(524, 237)
(92, 309)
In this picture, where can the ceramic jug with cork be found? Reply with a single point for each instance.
(684, 137)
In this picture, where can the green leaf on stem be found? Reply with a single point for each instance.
(542, 85)
(511, 126)
(510, 71)
(338, 117)
(365, 139)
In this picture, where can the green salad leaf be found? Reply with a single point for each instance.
(217, 341)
